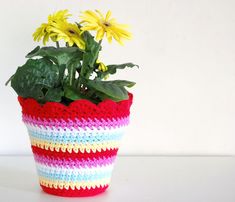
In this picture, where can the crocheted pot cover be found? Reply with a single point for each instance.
(75, 146)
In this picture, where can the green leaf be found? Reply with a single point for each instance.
(91, 54)
(114, 90)
(112, 69)
(128, 84)
(30, 78)
(35, 50)
(90, 41)
(72, 93)
(65, 57)
(53, 95)
(9, 80)
(61, 73)
(60, 56)
(73, 65)
(103, 96)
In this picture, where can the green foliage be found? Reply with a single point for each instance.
(112, 89)
(53, 95)
(38, 79)
(112, 69)
(72, 93)
(60, 56)
(65, 74)
(90, 56)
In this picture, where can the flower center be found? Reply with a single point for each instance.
(71, 31)
(106, 24)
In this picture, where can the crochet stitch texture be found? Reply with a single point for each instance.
(75, 146)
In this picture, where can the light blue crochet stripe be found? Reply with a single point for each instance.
(71, 177)
(57, 137)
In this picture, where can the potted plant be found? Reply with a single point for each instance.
(75, 117)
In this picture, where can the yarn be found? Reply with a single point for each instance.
(75, 146)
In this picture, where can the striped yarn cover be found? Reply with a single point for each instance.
(75, 146)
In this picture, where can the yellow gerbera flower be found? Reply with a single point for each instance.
(61, 15)
(70, 33)
(104, 24)
(44, 30)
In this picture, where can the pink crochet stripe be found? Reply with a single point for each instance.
(74, 164)
(84, 123)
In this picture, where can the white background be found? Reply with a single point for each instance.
(184, 100)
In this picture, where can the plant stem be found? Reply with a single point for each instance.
(96, 54)
(57, 44)
(86, 75)
(100, 42)
(71, 74)
(79, 84)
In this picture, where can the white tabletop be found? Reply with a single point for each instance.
(137, 179)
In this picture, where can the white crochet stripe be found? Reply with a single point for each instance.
(81, 132)
(75, 171)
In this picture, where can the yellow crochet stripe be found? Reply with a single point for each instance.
(74, 147)
(58, 184)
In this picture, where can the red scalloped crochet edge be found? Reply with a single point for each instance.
(74, 193)
(79, 109)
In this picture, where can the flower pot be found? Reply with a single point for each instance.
(75, 146)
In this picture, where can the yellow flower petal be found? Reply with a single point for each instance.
(45, 39)
(68, 32)
(108, 15)
(100, 14)
(109, 36)
(100, 34)
(46, 30)
(97, 22)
